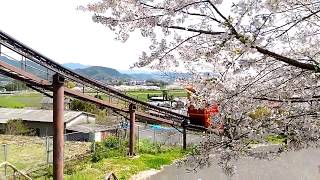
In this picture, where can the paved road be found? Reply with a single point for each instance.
(301, 165)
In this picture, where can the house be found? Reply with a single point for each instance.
(80, 123)
(89, 132)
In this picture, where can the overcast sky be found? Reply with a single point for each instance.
(64, 34)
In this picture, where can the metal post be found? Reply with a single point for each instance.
(132, 108)
(184, 132)
(184, 138)
(25, 64)
(58, 126)
(47, 74)
(138, 138)
(5, 159)
(48, 149)
(154, 136)
(21, 62)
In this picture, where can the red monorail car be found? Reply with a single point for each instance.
(202, 117)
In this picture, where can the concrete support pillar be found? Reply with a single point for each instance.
(58, 126)
(132, 108)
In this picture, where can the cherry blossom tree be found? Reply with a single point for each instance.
(247, 55)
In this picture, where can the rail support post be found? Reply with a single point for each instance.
(132, 108)
(58, 126)
(184, 134)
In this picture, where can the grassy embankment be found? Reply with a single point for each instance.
(110, 157)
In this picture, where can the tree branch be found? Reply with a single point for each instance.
(192, 30)
(293, 100)
(287, 60)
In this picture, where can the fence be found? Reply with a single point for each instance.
(160, 134)
(30, 154)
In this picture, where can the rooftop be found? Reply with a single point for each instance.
(35, 115)
(86, 128)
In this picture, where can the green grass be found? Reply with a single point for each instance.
(124, 167)
(150, 156)
(21, 100)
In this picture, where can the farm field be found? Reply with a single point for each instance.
(21, 100)
(33, 99)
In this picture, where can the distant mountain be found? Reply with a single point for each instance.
(96, 72)
(136, 71)
(148, 76)
(102, 73)
(74, 66)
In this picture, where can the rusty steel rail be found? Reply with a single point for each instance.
(20, 48)
(42, 85)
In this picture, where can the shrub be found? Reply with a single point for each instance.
(111, 142)
(78, 105)
(98, 156)
(18, 127)
(148, 147)
(110, 147)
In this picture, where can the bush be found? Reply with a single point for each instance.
(78, 105)
(98, 156)
(110, 147)
(111, 142)
(18, 127)
(148, 147)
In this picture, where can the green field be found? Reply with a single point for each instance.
(33, 99)
(21, 100)
(143, 94)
